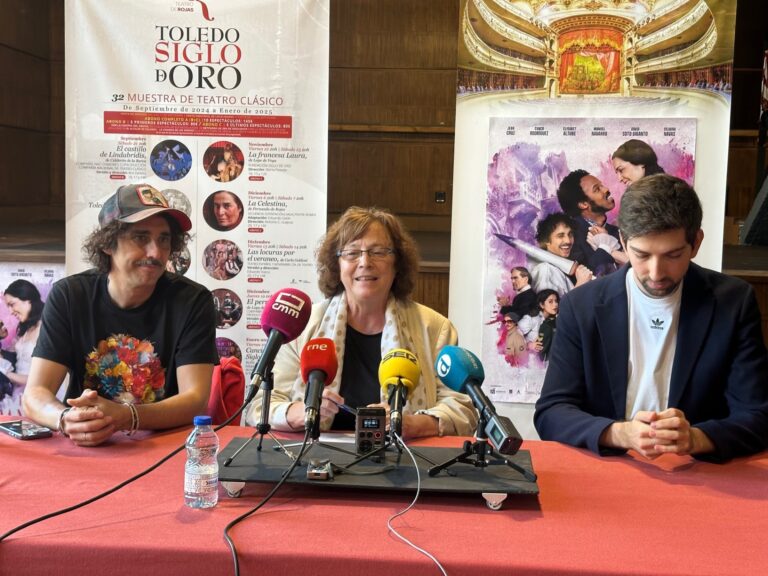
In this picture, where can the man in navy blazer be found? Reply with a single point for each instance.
(662, 356)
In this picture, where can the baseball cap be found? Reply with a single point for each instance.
(135, 202)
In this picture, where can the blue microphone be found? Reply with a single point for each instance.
(463, 372)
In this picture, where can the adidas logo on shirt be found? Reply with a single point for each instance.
(657, 324)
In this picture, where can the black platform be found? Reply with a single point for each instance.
(268, 465)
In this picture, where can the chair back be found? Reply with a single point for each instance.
(227, 389)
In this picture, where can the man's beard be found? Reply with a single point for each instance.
(658, 293)
(597, 209)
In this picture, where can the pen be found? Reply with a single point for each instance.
(345, 407)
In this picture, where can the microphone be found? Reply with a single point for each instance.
(399, 373)
(318, 368)
(284, 317)
(462, 371)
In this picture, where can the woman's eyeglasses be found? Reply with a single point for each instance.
(373, 253)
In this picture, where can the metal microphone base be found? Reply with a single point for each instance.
(480, 454)
(392, 441)
(261, 431)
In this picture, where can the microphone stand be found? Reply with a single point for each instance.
(391, 440)
(478, 453)
(313, 441)
(263, 427)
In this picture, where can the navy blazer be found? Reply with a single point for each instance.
(719, 374)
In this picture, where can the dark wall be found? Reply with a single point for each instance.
(751, 41)
(392, 105)
(31, 126)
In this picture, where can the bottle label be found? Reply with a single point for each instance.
(200, 483)
(203, 453)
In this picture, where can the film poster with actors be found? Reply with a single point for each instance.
(24, 287)
(529, 159)
(223, 107)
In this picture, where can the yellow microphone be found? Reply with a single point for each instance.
(399, 373)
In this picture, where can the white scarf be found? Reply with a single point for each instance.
(394, 335)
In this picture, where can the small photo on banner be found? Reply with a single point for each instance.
(223, 161)
(170, 160)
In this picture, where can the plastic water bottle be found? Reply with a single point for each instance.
(201, 472)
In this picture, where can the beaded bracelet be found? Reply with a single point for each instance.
(134, 419)
(61, 421)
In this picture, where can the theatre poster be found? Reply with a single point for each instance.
(544, 88)
(223, 107)
(28, 282)
(528, 159)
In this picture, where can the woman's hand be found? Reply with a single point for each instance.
(329, 406)
(328, 409)
(419, 425)
(414, 425)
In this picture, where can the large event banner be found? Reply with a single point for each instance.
(222, 106)
(615, 88)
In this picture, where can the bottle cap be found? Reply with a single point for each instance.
(202, 421)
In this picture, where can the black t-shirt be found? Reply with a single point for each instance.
(360, 375)
(127, 351)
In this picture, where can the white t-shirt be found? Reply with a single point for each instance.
(652, 342)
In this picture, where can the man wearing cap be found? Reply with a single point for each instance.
(138, 342)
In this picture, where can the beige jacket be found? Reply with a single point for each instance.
(429, 330)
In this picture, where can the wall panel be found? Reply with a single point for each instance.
(24, 183)
(432, 290)
(401, 173)
(394, 33)
(24, 25)
(410, 99)
(24, 91)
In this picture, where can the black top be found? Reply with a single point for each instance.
(360, 375)
(546, 334)
(134, 351)
(525, 303)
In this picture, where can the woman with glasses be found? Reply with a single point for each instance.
(367, 264)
